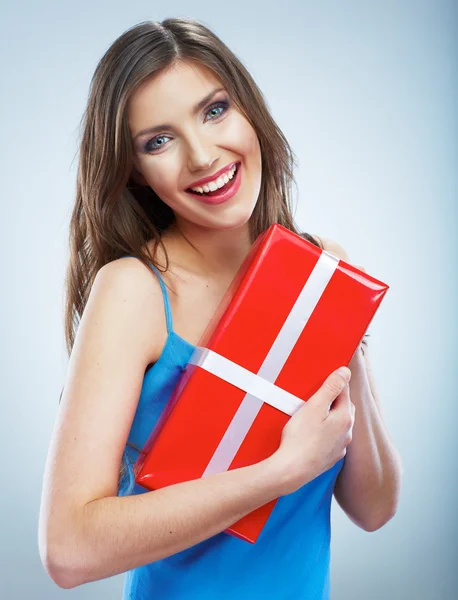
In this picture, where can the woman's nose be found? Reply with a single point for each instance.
(201, 164)
(200, 158)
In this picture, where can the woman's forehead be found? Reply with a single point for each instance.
(176, 90)
(179, 79)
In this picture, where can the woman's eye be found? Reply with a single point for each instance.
(151, 147)
(216, 106)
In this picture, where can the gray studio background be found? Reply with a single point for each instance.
(366, 93)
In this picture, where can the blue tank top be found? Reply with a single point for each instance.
(291, 557)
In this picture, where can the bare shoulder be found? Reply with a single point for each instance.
(332, 247)
(129, 295)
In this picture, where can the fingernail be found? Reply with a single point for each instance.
(345, 373)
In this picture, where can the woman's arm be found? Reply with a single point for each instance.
(87, 532)
(369, 484)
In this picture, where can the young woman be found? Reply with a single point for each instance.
(154, 247)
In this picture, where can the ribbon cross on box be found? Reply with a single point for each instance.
(260, 387)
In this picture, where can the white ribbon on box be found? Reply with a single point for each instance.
(259, 386)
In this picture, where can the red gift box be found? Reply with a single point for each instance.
(293, 314)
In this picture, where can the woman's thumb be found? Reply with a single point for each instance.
(333, 385)
(343, 372)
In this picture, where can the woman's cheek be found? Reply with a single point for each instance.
(248, 139)
(161, 178)
(239, 135)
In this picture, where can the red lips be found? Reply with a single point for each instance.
(201, 182)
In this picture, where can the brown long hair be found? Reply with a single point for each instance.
(113, 215)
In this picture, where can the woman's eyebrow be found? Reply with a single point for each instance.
(195, 110)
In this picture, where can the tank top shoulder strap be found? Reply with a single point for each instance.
(168, 312)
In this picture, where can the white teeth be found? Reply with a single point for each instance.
(217, 183)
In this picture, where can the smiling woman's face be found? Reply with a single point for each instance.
(190, 143)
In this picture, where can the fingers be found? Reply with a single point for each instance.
(343, 403)
(334, 392)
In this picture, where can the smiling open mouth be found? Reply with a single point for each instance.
(219, 191)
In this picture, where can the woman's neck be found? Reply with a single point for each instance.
(209, 253)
